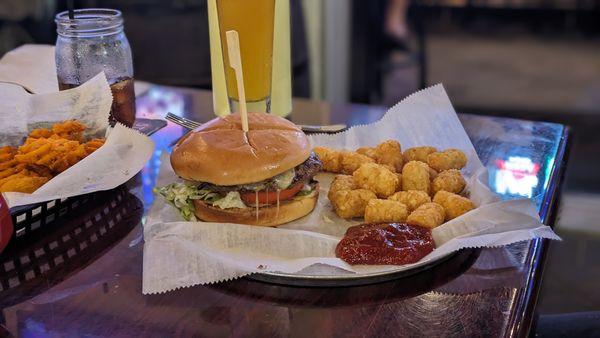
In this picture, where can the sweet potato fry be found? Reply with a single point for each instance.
(25, 184)
(70, 130)
(12, 170)
(40, 133)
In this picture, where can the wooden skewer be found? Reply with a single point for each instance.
(235, 62)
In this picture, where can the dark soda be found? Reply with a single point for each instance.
(123, 105)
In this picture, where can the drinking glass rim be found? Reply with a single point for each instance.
(89, 22)
(88, 14)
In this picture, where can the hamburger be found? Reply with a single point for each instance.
(262, 177)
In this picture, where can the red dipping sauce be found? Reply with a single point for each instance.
(385, 244)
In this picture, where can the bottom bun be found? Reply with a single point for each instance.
(263, 216)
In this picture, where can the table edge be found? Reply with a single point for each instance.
(521, 320)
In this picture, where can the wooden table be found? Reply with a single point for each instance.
(95, 288)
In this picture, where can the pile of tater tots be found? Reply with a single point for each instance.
(421, 186)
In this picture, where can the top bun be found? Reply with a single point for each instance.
(219, 152)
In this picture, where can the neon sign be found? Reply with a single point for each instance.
(516, 176)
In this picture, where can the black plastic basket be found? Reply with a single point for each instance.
(29, 218)
(68, 236)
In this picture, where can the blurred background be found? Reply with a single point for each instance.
(529, 59)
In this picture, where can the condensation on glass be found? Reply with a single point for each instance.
(92, 42)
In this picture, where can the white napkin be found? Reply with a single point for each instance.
(180, 254)
(33, 67)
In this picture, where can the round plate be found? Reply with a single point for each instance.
(349, 279)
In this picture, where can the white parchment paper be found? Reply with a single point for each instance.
(123, 155)
(30, 66)
(180, 254)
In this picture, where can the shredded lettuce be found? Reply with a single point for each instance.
(307, 189)
(232, 200)
(304, 193)
(181, 196)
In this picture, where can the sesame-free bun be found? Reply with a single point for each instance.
(269, 215)
(219, 152)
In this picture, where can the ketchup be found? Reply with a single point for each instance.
(385, 244)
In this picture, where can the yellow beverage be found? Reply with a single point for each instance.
(254, 22)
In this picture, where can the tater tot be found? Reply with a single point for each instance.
(412, 198)
(415, 176)
(428, 215)
(367, 151)
(351, 203)
(399, 185)
(432, 173)
(418, 153)
(450, 180)
(389, 167)
(377, 178)
(447, 159)
(385, 211)
(454, 205)
(341, 182)
(330, 158)
(390, 153)
(351, 161)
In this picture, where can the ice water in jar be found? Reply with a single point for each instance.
(89, 43)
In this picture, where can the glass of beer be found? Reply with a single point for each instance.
(91, 42)
(254, 22)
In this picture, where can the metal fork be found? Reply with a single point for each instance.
(190, 124)
(182, 121)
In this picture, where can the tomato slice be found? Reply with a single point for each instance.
(270, 196)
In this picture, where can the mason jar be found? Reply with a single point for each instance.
(92, 42)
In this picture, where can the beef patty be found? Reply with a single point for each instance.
(304, 172)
